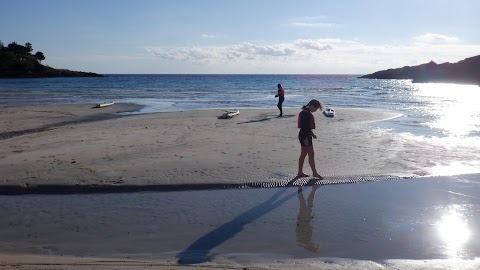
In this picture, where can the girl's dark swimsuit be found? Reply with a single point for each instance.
(306, 122)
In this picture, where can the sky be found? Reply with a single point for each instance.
(243, 36)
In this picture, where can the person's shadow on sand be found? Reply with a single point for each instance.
(304, 230)
(263, 118)
(198, 251)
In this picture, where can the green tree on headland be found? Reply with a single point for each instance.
(28, 47)
(17, 61)
(39, 56)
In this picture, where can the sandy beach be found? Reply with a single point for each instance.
(71, 147)
(80, 146)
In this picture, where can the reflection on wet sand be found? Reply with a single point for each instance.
(304, 228)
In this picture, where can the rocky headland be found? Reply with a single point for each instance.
(18, 61)
(466, 71)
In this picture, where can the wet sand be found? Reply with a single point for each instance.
(77, 146)
(421, 223)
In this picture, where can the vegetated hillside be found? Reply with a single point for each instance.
(17, 61)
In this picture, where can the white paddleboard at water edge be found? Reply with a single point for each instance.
(105, 104)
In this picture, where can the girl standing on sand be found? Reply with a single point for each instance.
(306, 122)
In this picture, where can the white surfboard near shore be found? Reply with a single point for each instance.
(105, 104)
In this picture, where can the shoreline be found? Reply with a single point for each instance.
(99, 189)
(77, 146)
(81, 148)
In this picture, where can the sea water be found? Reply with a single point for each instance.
(437, 115)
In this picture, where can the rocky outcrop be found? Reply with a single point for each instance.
(41, 71)
(466, 71)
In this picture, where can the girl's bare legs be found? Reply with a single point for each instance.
(307, 150)
(301, 160)
(311, 161)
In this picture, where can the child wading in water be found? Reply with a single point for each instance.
(306, 122)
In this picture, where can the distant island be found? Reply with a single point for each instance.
(17, 61)
(466, 71)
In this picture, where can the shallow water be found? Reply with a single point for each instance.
(430, 109)
(408, 219)
(441, 116)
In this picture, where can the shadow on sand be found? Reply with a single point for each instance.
(80, 120)
(199, 251)
(264, 117)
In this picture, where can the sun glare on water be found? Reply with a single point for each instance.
(453, 230)
(455, 107)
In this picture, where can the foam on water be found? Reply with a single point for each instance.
(450, 154)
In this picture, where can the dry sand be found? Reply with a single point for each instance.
(79, 145)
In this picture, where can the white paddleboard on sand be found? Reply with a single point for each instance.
(229, 114)
(105, 104)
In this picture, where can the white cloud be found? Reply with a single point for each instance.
(309, 56)
(245, 51)
(268, 50)
(313, 25)
(205, 36)
(313, 44)
(433, 38)
(183, 53)
(313, 22)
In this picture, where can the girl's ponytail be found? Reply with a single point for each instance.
(314, 103)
